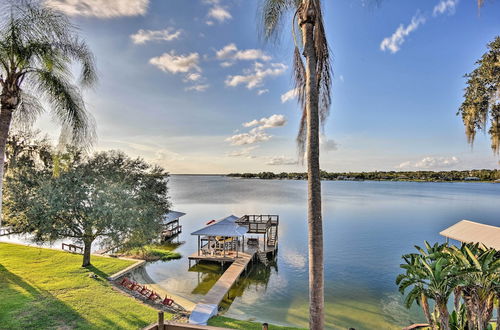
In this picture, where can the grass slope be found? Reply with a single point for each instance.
(46, 289)
(225, 322)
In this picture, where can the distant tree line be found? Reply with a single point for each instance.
(432, 176)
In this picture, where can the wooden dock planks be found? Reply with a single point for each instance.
(226, 281)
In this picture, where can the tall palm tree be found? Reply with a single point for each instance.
(312, 73)
(37, 48)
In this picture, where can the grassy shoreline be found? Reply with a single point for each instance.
(46, 288)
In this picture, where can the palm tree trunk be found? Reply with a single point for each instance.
(425, 307)
(444, 315)
(315, 225)
(6, 110)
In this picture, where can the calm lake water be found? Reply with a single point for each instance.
(367, 227)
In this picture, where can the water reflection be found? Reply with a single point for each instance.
(256, 280)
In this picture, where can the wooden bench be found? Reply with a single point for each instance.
(72, 248)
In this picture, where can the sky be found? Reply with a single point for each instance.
(192, 86)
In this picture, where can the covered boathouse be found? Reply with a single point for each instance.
(467, 231)
(224, 240)
(235, 240)
(171, 226)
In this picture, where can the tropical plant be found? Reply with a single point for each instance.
(37, 48)
(470, 272)
(312, 73)
(107, 196)
(431, 274)
(481, 106)
(479, 273)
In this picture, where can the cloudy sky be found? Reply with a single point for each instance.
(190, 85)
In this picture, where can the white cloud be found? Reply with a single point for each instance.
(262, 91)
(327, 144)
(143, 36)
(255, 77)
(245, 152)
(230, 53)
(170, 62)
(270, 122)
(281, 160)
(290, 95)
(254, 136)
(219, 13)
(445, 6)
(193, 77)
(430, 163)
(394, 42)
(198, 88)
(100, 8)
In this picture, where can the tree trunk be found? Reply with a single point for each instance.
(444, 316)
(425, 307)
(5, 119)
(86, 252)
(315, 225)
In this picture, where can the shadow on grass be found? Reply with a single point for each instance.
(23, 305)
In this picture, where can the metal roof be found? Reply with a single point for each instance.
(172, 215)
(224, 227)
(473, 232)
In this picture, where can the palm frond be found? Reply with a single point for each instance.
(67, 105)
(273, 12)
(27, 112)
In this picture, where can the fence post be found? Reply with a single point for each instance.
(161, 321)
(265, 326)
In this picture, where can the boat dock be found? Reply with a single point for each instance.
(224, 241)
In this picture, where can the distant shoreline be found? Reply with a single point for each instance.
(490, 176)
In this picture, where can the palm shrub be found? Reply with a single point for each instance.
(478, 277)
(470, 272)
(431, 275)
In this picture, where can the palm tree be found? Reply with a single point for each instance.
(431, 273)
(479, 270)
(37, 48)
(312, 73)
(418, 294)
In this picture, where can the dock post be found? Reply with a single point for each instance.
(161, 321)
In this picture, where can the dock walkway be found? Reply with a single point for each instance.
(209, 304)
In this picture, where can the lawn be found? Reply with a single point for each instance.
(225, 322)
(46, 289)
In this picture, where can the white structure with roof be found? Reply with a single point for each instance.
(467, 231)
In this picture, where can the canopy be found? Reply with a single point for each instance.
(226, 227)
(172, 215)
(473, 232)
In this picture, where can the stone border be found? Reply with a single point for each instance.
(130, 268)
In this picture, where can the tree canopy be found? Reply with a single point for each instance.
(107, 196)
(480, 109)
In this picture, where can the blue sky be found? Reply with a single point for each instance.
(191, 86)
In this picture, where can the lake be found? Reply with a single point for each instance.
(367, 227)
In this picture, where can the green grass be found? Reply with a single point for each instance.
(225, 322)
(47, 289)
(153, 252)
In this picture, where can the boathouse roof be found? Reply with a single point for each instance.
(473, 232)
(226, 227)
(172, 215)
